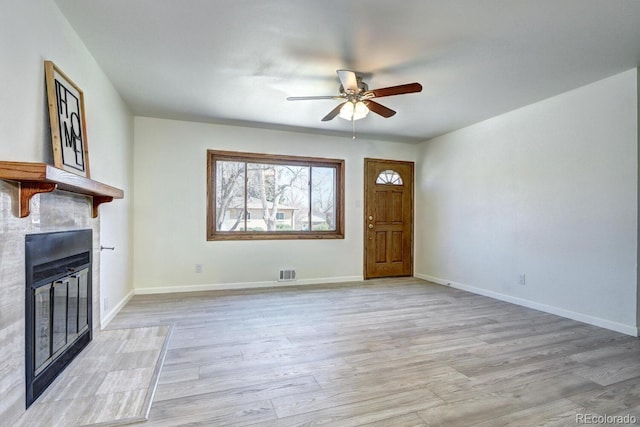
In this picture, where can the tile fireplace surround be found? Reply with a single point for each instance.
(57, 211)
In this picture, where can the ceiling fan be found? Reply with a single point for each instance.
(357, 98)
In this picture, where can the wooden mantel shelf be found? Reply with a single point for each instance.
(36, 178)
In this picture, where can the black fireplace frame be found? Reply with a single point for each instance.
(50, 257)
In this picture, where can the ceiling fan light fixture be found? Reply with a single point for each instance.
(353, 110)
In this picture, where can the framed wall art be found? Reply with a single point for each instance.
(68, 127)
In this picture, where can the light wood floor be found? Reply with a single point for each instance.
(380, 353)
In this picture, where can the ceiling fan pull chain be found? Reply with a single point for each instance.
(353, 128)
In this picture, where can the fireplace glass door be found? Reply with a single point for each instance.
(61, 314)
(83, 300)
(72, 318)
(42, 333)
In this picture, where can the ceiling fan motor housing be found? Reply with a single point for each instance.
(362, 87)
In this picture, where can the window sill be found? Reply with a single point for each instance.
(274, 236)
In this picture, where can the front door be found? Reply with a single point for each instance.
(388, 222)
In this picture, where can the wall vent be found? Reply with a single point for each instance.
(287, 275)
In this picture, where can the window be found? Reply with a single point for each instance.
(389, 177)
(262, 196)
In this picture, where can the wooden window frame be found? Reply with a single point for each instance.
(216, 155)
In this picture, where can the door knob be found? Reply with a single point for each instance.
(370, 218)
(370, 226)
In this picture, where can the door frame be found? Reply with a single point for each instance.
(365, 211)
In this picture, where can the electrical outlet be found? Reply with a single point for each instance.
(198, 268)
(522, 279)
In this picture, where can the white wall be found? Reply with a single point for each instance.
(549, 191)
(638, 208)
(170, 208)
(31, 32)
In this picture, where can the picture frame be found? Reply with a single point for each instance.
(67, 120)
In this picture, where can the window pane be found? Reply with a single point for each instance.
(230, 195)
(277, 197)
(323, 191)
(389, 177)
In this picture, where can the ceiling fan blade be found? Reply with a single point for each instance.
(348, 80)
(333, 113)
(310, 98)
(379, 108)
(394, 90)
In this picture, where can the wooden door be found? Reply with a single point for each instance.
(388, 222)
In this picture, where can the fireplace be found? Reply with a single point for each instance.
(58, 304)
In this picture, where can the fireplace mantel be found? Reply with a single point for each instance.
(36, 178)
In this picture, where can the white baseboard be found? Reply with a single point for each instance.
(104, 321)
(584, 318)
(243, 285)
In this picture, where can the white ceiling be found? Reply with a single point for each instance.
(235, 61)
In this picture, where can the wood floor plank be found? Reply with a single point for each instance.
(559, 413)
(362, 411)
(408, 420)
(189, 403)
(358, 388)
(245, 414)
(618, 398)
(269, 370)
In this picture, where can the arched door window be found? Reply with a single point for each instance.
(389, 177)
